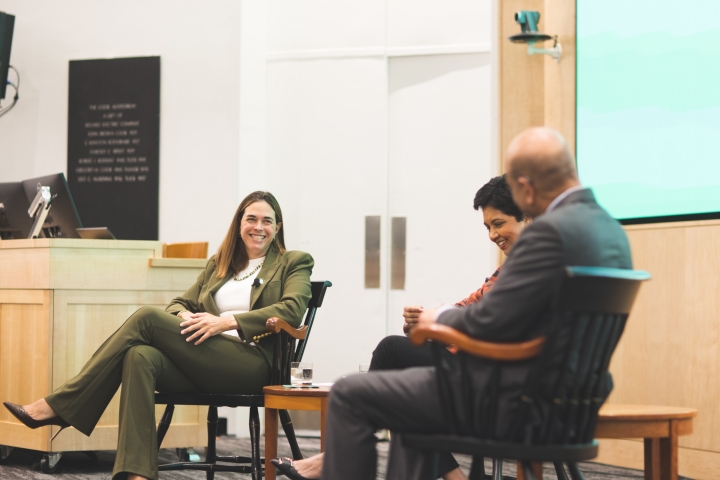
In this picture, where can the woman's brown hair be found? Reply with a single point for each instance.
(232, 256)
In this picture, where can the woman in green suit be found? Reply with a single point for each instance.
(202, 342)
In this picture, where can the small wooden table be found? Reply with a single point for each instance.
(658, 426)
(281, 398)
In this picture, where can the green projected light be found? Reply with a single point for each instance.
(648, 105)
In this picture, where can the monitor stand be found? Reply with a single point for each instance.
(39, 210)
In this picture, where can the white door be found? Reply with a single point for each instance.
(327, 159)
(439, 156)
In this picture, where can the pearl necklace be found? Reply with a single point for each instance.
(249, 274)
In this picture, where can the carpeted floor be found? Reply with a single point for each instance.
(80, 466)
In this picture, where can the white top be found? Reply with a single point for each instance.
(234, 297)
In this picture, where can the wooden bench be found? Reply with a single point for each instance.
(658, 426)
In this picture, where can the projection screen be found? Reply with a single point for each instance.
(648, 107)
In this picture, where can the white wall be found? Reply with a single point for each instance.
(199, 46)
(322, 102)
(423, 23)
(327, 150)
(312, 25)
(439, 156)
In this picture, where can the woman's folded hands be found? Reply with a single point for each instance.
(202, 326)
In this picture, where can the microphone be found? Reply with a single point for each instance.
(257, 282)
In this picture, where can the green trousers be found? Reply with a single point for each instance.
(147, 354)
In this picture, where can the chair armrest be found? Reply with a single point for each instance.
(495, 351)
(275, 325)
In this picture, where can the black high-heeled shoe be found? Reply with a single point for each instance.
(285, 466)
(20, 413)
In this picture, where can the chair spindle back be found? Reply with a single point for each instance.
(569, 381)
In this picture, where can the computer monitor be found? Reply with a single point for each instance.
(63, 219)
(14, 219)
(7, 24)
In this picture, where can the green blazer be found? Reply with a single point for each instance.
(284, 293)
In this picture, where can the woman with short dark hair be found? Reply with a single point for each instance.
(204, 341)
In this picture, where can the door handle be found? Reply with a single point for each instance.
(372, 251)
(398, 230)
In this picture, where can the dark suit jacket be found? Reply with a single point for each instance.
(578, 232)
(284, 293)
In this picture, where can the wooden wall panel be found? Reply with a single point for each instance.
(83, 321)
(47, 335)
(671, 346)
(536, 90)
(560, 77)
(26, 268)
(25, 326)
(521, 79)
(670, 353)
(106, 265)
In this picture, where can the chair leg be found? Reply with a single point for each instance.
(477, 469)
(560, 470)
(575, 472)
(164, 424)
(287, 425)
(257, 472)
(212, 421)
(434, 465)
(497, 469)
(528, 471)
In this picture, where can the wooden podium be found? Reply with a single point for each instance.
(59, 300)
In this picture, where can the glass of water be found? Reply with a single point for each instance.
(301, 373)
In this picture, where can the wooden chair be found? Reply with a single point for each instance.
(185, 250)
(286, 351)
(564, 389)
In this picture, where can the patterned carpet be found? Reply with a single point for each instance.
(80, 466)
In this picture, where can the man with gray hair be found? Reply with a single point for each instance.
(569, 229)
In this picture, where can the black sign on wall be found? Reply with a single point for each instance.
(114, 144)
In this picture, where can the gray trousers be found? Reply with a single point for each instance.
(402, 401)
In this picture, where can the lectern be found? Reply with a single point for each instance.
(59, 300)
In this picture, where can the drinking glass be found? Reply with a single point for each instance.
(301, 373)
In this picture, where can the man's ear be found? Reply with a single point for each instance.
(532, 194)
(528, 191)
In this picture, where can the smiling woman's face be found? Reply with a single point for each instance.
(258, 228)
(503, 229)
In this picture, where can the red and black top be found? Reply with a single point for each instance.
(477, 296)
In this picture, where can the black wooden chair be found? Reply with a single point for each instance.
(564, 390)
(286, 351)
